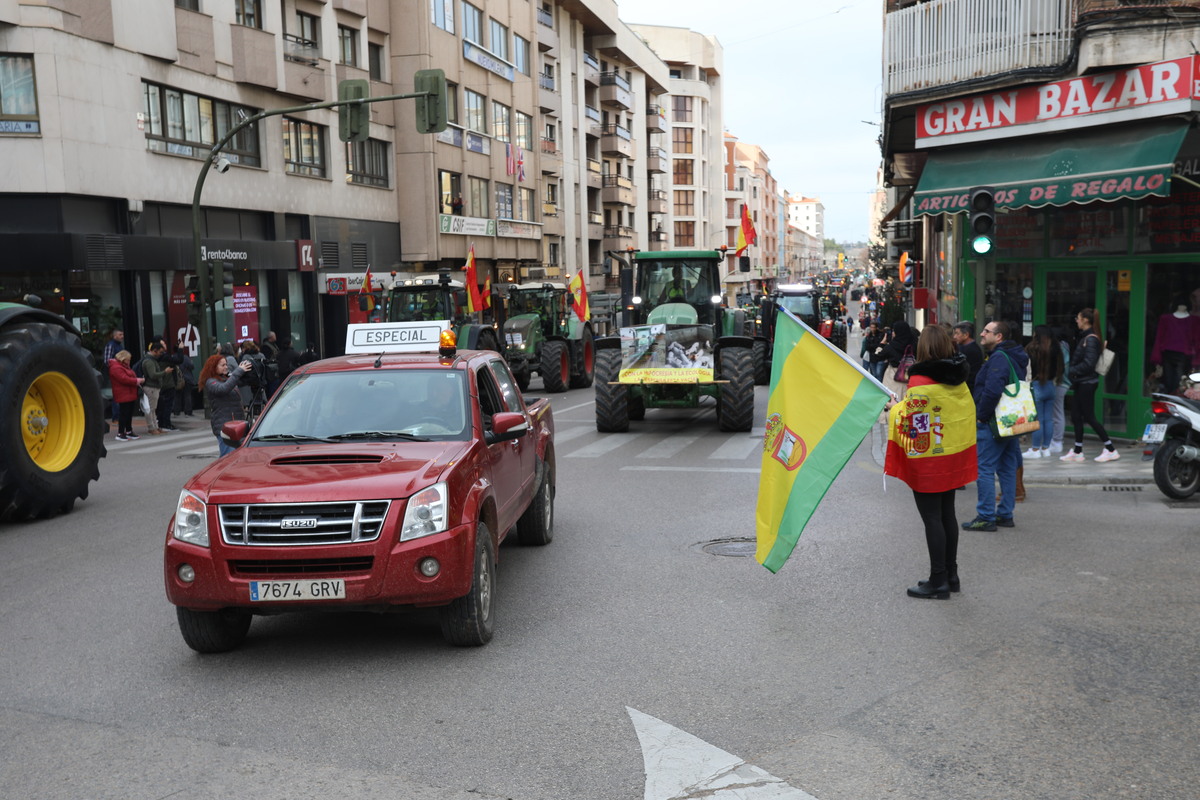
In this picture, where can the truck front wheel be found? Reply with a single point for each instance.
(213, 631)
(469, 620)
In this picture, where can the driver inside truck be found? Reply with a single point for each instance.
(675, 291)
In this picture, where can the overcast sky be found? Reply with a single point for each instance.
(802, 80)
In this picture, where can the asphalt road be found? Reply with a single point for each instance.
(1066, 668)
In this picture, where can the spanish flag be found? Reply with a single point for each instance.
(746, 233)
(474, 301)
(820, 408)
(579, 300)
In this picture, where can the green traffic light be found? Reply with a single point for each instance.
(982, 245)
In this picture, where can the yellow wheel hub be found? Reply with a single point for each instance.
(53, 421)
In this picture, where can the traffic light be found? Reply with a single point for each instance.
(354, 119)
(220, 282)
(192, 295)
(432, 113)
(981, 218)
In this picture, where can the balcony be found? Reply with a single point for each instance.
(595, 174)
(254, 57)
(548, 99)
(615, 91)
(301, 51)
(307, 81)
(193, 36)
(551, 161)
(617, 189)
(591, 69)
(595, 225)
(656, 119)
(656, 203)
(616, 141)
(657, 161)
(546, 35)
(658, 240)
(549, 209)
(944, 42)
(617, 237)
(593, 117)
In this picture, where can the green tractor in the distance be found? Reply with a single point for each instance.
(543, 334)
(439, 298)
(679, 343)
(51, 415)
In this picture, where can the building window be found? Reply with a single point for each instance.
(521, 54)
(504, 201)
(476, 115)
(681, 140)
(308, 28)
(685, 234)
(500, 122)
(552, 251)
(367, 163)
(443, 14)
(190, 5)
(498, 40)
(248, 13)
(185, 124)
(685, 203)
(18, 95)
(676, 74)
(525, 201)
(304, 147)
(452, 103)
(477, 201)
(524, 135)
(449, 188)
(681, 106)
(348, 46)
(682, 171)
(375, 61)
(472, 22)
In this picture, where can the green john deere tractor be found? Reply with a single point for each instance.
(678, 344)
(440, 298)
(543, 334)
(808, 304)
(51, 415)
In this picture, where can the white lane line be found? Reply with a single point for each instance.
(606, 445)
(680, 765)
(738, 447)
(669, 447)
(571, 408)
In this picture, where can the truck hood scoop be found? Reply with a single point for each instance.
(312, 459)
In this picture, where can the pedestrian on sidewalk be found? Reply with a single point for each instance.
(964, 340)
(999, 457)
(114, 345)
(932, 448)
(224, 400)
(125, 393)
(1060, 393)
(1045, 373)
(155, 375)
(1085, 381)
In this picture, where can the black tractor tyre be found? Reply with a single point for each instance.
(51, 421)
(585, 361)
(556, 366)
(735, 406)
(213, 631)
(487, 341)
(762, 365)
(536, 525)
(1174, 477)
(522, 376)
(637, 407)
(612, 399)
(470, 621)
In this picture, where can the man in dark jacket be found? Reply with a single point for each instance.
(288, 359)
(964, 340)
(998, 457)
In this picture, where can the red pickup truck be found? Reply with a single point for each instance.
(370, 482)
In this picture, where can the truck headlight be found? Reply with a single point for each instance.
(191, 520)
(427, 513)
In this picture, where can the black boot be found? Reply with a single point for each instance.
(939, 590)
(952, 582)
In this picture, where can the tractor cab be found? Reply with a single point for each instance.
(681, 288)
(426, 299)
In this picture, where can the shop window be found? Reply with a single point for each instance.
(18, 95)
(1021, 233)
(186, 124)
(1091, 230)
(304, 147)
(367, 163)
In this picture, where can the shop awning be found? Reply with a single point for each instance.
(1106, 163)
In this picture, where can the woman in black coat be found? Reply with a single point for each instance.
(224, 401)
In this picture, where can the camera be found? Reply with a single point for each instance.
(221, 164)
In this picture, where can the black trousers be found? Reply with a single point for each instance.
(1083, 409)
(125, 416)
(941, 533)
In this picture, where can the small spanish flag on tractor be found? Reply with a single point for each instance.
(579, 300)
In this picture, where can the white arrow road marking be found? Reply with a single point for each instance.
(680, 766)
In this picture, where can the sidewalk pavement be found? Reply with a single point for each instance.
(1128, 469)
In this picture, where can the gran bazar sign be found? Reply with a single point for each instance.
(1148, 90)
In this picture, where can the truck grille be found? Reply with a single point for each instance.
(308, 566)
(302, 523)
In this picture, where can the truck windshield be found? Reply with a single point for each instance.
(428, 404)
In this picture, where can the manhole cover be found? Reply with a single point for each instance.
(735, 546)
(1121, 488)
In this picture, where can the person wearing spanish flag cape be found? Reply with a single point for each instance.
(931, 447)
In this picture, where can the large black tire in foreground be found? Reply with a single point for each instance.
(762, 364)
(556, 366)
(51, 421)
(1176, 478)
(470, 621)
(735, 406)
(213, 631)
(585, 361)
(612, 399)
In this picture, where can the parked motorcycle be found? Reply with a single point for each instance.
(1176, 430)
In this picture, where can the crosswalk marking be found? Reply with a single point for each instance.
(606, 445)
(567, 434)
(738, 447)
(669, 447)
(154, 444)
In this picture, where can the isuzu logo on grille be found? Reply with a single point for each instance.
(292, 523)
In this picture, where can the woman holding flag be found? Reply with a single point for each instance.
(931, 447)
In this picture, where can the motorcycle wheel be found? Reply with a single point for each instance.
(1176, 478)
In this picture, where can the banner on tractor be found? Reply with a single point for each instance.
(658, 354)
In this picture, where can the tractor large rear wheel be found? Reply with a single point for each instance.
(556, 366)
(762, 365)
(612, 399)
(735, 406)
(585, 352)
(51, 421)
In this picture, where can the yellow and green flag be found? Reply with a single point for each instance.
(821, 406)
